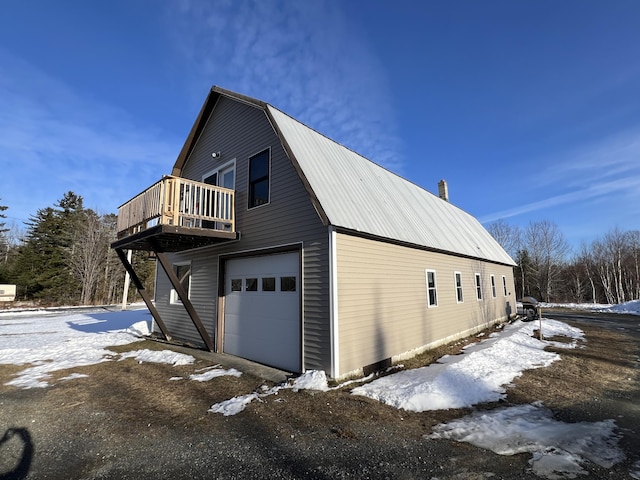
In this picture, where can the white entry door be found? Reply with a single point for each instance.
(262, 310)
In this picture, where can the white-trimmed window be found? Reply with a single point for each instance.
(478, 286)
(504, 285)
(493, 286)
(432, 294)
(223, 176)
(259, 179)
(458, 281)
(183, 272)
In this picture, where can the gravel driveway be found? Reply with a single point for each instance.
(128, 420)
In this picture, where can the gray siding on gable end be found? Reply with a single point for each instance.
(239, 131)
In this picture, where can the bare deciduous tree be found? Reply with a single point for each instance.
(89, 251)
(547, 249)
(508, 236)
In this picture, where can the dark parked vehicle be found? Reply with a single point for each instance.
(529, 307)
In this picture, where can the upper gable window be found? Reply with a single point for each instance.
(259, 170)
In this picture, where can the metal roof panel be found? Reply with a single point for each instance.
(357, 194)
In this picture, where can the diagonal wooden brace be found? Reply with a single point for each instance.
(143, 293)
(182, 294)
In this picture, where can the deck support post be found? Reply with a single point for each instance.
(143, 293)
(182, 295)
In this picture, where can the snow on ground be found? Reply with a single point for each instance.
(310, 380)
(212, 372)
(629, 308)
(557, 448)
(46, 341)
(49, 341)
(158, 356)
(480, 375)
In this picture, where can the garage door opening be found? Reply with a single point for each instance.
(262, 320)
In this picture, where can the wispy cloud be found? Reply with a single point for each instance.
(302, 57)
(53, 140)
(594, 173)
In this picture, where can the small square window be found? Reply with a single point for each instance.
(236, 284)
(287, 284)
(269, 284)
(251, 285)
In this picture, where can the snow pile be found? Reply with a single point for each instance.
(479, 375)
(158, 356)
(630, 308)
(213, 372)
(310, 380)
(140, 329)
(557, 448)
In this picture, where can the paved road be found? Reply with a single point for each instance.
(629, 324)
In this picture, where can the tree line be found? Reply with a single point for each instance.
(606, 270)
(63, 256)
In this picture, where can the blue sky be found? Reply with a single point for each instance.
(529, 109)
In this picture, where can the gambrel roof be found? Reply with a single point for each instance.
(353, 193)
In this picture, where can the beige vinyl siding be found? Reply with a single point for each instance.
(238, 131)
(382, 299)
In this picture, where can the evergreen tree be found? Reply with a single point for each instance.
(2, 217)
(41, 269)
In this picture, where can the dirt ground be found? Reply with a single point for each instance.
(128, 420)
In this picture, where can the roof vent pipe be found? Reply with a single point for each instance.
(443, 190)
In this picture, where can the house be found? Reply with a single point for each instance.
(282, 246)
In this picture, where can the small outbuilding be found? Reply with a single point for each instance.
(280, 245)
(7, 293)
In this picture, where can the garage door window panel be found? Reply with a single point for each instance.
(287, 284)
(268, 284)
(251, 285)
(236, 284)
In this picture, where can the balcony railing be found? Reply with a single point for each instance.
(181, 202)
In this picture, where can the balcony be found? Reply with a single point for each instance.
(176, 214)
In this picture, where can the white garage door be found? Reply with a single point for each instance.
(262, 310)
